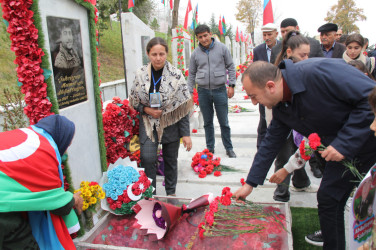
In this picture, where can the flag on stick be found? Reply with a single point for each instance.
(220, 28)
(224, 25)
(268, 12)
(171, 4)
(237, 35)
(130, 5)
(195, 18)
(189, 9)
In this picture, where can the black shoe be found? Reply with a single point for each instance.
(281, 199)
(231, 153)
(211, 151)
(315, 239)
(316, 172)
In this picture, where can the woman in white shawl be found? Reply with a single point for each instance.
(160, 93)
(354, 51)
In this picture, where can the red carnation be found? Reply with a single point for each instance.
(242, 181)
(217, 173)
(314, 141)
(194, 131)
(202, 174)
(303, 151)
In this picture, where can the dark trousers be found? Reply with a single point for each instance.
(332, 221)
(149, 159)
(300, 178)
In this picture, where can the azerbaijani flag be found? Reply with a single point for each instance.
(268, 12)
(31, 180)
(237, 35)
(130, 5)
(220, 28)
(194, 18)
(189, 9)
(223, 25)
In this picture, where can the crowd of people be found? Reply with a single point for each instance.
(298, 83)
(296, 94)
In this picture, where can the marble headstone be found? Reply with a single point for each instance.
(84, 152)
(242, 53)
(228, 44)
(136, 35)
(236, 52)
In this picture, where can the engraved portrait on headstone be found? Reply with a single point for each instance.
(144, 42)
(67, 61)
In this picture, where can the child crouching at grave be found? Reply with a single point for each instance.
(32, 197)
(160, 93)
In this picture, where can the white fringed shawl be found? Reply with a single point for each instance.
(176, 101)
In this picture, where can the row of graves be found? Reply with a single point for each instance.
(104, 158)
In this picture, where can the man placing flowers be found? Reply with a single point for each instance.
(315, 96)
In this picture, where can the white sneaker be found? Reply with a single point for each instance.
(309, 189)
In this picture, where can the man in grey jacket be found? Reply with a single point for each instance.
(207, 68)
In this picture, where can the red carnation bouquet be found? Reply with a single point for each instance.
(225, 218)
(205, 163)
(307, 148)
(120, 124)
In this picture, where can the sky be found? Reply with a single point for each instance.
(309, 14)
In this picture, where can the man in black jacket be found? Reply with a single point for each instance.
(300, 179)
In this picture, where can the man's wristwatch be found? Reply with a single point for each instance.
(231, 85)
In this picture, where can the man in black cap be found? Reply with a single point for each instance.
(331, 49)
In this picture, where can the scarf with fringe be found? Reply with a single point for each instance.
(176, 101)
(363, 59)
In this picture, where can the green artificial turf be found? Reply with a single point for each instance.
(304, 221)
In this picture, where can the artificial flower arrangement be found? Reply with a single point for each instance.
(238, 109)
(225, 218)
(205, 163)
(92, 193)
(120, 124)
(242, 67)
(308, 147)
(125, 185)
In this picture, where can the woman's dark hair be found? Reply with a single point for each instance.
(358, 38)
(155, 41)
(362, 67)
(292, 40)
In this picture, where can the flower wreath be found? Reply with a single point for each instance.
(120, 124)
(125, 186)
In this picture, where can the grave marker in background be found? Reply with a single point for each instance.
(136, 35)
